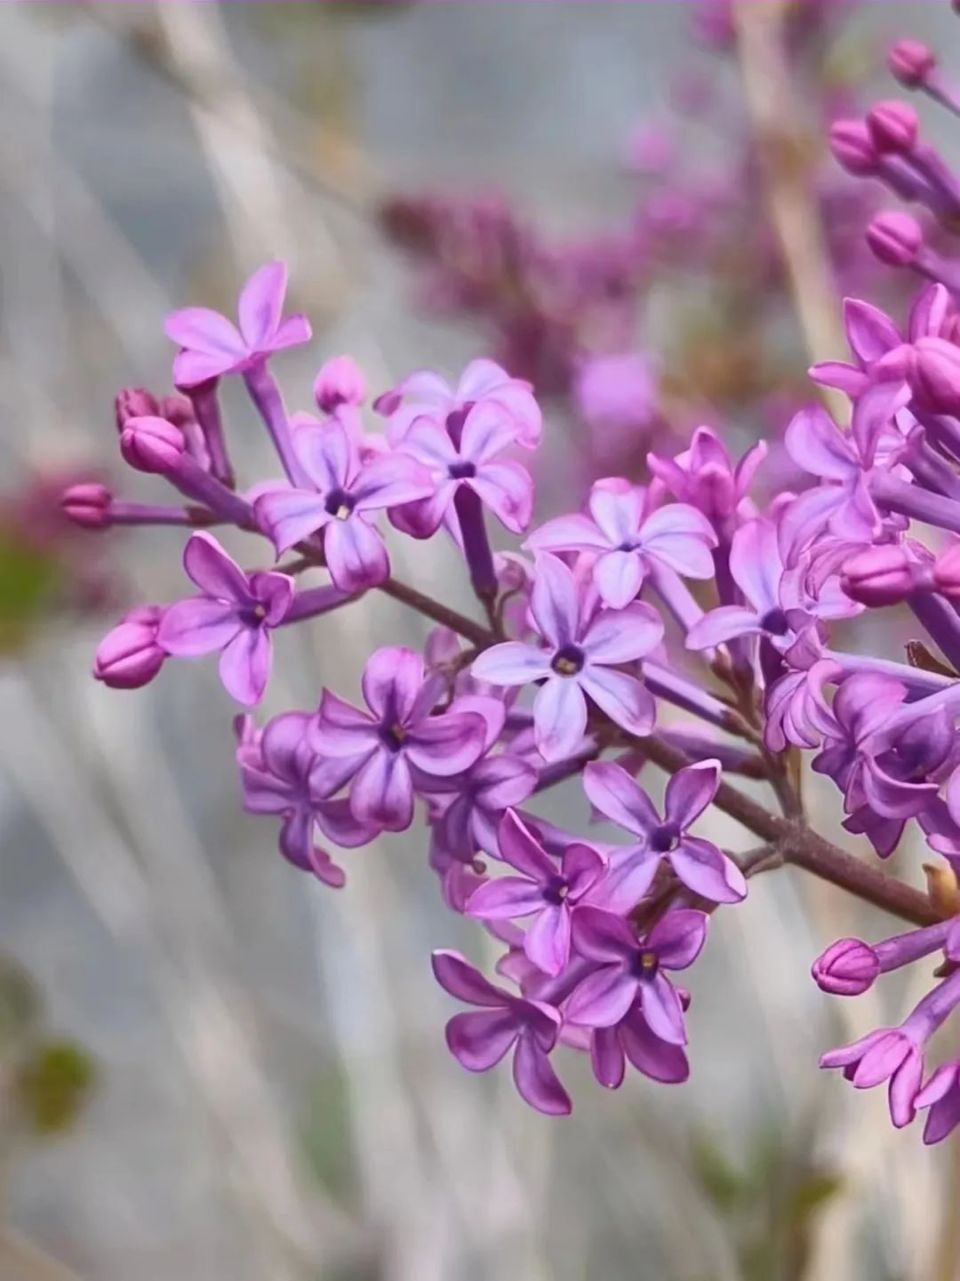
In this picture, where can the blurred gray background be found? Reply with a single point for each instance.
(273, 1097)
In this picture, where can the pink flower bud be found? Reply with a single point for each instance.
(893, 126)
(911, 62)
(129, 656)
(936, 380)
(151, 444)
(87, 505)
(852, 146)
(176, 409)
(895, 238)
(946, 571)
(339, 382)
(133, 402)
(880, 576)
(848, 967)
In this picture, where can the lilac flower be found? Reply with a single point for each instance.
(282, 774)
(697, 863)
(631, 1040)
(480, 796)
(340, 382)
(346, 494)
(129, 656)
(628, 537)
(778, 608)
(212, 345)
(705, 477)
(466, 459)
(632, 968)
(543, 890)
(379, 747)
(896, 1054)
(234, 614)
(850, 967)
(426, 394)
(479, 1040)
(581, 647)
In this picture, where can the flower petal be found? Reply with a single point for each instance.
(390, 480)
(261, 304)
(391, 682)
(520, 848)
(678, 937)
(607, 1058)
(507, 489)
(724, 623)
(288, 515)
(512, 663)
(447, 744)
(626, 700)
(478, 1041)
(662, 1010)
(617, 507)
(506, 898)
(382, 792)
(547, 940)
(555, 601)
(656, 1059)
(575, 532)
(197, 626)
(622, 635)
(690, 791)
(213, 571)
(603, 998)
(356, 555)
(707, 871)
(536, 1081)
(559, 718)
(618, 577)
(198, 329)
(245, 665)
(457, 976)
(603, 936)
(621, 798)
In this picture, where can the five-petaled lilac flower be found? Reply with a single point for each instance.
(479, 1040)
(426, 393)
(467, 457)
(545, 890)
(347, 492)
(234, 614)
(627, 538)
(706, 477)
(282, 774)
(212, 345)
(632, 968)
(699, 864)
(380, 746)
(581, 647)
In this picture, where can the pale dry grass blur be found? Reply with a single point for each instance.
(274, 1098)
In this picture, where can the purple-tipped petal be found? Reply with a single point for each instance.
(520, 848)
(621, 798)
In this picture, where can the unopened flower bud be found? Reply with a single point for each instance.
(946, 572)
(848, 967)
(87, 505)
(176, 409)
(339, 382)
(853, 147)
(893, 126)
(911, 62)
(133, 402)
(151, 444)
(895, 238)
(936, 380)
(129, 656)
(881, 575)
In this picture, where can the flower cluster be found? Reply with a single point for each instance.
(683, 625)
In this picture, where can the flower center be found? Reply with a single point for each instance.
(645, 965)
(462, 470)
(392, 737)
(340, 504)
(664, 838)
(556, 891)
(775, 622)
(568, 660)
